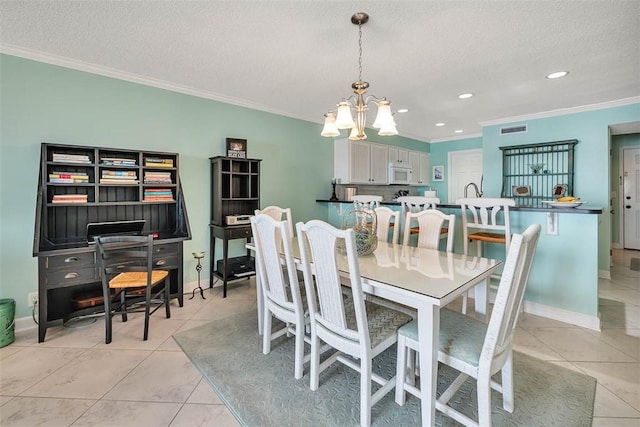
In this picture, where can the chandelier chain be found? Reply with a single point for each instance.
(360, 52)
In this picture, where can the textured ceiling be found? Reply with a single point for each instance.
(298, 58)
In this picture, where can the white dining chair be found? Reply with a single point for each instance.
(429, 228)
(367, 200)
(281, 293)
(415, 204)
(485, 220)
(279, 214)
(472, 347)
(344, 320)
(388, 220)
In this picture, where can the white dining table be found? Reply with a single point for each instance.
(424, 279)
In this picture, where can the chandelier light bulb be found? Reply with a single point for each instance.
(330, 129)
(344, 119)
(384, 116)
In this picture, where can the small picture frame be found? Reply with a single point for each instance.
(520, 190)
(559, 190)
(237, 148)
(438, 173)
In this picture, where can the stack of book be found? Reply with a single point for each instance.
(118, 177)
(69, 198)
(157, 177)
(158, 194)
(58, 177)
(70, 158)
(117, 161)
(158, 162)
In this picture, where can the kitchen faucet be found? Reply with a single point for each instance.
(475, 187)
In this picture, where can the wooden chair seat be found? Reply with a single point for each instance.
(488, 237)
(137, 279)
(416, 230)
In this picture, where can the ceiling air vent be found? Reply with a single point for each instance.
(513, 129)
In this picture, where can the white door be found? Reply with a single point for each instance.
(465, 166)
(631, 198)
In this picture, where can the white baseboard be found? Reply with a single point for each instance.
(604, 274)
(561, 315)
(25, 323)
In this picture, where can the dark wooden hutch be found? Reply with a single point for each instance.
(79, 185)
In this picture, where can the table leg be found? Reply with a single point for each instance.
(212, 258)
(225, 257)
(428, 336)
(481, 295)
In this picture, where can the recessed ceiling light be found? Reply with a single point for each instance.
(439, 124)
(403, 110)
(458, 131)
(465, 95)
(557, 74)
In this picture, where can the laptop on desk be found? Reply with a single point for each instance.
(114, 228)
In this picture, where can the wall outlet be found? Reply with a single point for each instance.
(32, 299)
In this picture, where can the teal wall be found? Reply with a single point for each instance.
(618, 142)
(41, 102)
(591, 177)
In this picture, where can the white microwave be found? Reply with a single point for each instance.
(400, 173)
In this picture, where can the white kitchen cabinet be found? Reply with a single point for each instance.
(398, 155)
(421, 167)
(360, 162)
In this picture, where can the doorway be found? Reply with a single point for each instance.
(630, 197)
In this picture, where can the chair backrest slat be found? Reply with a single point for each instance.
(272, 240)
(430, 223)
(319, 243)
(385, 215)
(121, 254)
(279, 214)
(369, 201)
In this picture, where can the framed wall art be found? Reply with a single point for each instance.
(237, 148)
(438, 173)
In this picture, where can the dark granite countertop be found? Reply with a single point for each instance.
(584, 209)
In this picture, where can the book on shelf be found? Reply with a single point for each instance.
(118, 181)
(68, 177)
(68, 180)
(68, 173)
(158, 162)
(117, 161)
(118, 173)
(69, 198)
(70, 158)
(157, 177)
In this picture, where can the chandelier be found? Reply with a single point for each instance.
(343, 117)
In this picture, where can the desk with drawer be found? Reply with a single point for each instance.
(66, 275)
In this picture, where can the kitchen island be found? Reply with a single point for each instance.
(564, 279)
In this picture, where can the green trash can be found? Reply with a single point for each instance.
(7, 321)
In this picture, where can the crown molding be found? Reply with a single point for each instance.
(563, 111)
(456, 138)
(87, 67)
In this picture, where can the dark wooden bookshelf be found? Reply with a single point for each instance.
(66, 260)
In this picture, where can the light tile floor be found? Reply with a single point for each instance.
(74, 379)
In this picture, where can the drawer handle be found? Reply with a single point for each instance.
(161, 262)
(71, 259)
(71, 275)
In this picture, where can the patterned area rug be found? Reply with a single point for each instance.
(635, 264)
(260, 390)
